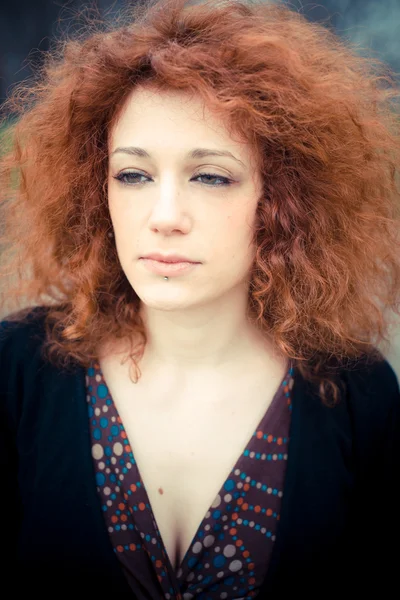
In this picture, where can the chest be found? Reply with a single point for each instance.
(185, 449)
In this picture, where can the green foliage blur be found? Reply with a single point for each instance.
(4, 138)
(6, 144)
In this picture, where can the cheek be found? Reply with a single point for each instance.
(232, 242)
(125, 235)
(112, 209)
(240, 226)
(241, 237)
(122, 216)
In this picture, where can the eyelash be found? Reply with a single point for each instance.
(226, 180)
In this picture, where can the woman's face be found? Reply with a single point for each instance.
(163, 200)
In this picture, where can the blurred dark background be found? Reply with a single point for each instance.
(30, 25)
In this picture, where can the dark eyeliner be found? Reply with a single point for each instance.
(120, 177)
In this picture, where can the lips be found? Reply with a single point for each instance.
(172, 258)
(171, 269)
(169, 261)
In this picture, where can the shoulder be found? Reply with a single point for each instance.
(22, 335)
(372, 388)
(29, 381)
(368, 409)
(21, 340)
(372, 398)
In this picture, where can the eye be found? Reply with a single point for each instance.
(128, 178)
(225, 180)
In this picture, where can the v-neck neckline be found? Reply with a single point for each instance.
(239, 460)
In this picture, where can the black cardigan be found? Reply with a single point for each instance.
(339, 530)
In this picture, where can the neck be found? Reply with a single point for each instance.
(196, 339)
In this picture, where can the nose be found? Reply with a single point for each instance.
(169, 211)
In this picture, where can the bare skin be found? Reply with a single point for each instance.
(176, 432)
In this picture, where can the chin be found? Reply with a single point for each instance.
(161, 299)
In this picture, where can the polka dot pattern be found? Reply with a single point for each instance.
(230, 552)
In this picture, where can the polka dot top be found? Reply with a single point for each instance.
(229, 554)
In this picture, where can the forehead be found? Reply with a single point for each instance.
(148, 102)
(150, 117)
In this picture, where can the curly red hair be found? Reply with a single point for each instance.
(322, 123)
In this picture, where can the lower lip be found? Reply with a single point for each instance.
(170, 269)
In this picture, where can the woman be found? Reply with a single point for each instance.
(193, 402)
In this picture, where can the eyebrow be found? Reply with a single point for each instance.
(196, 153)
